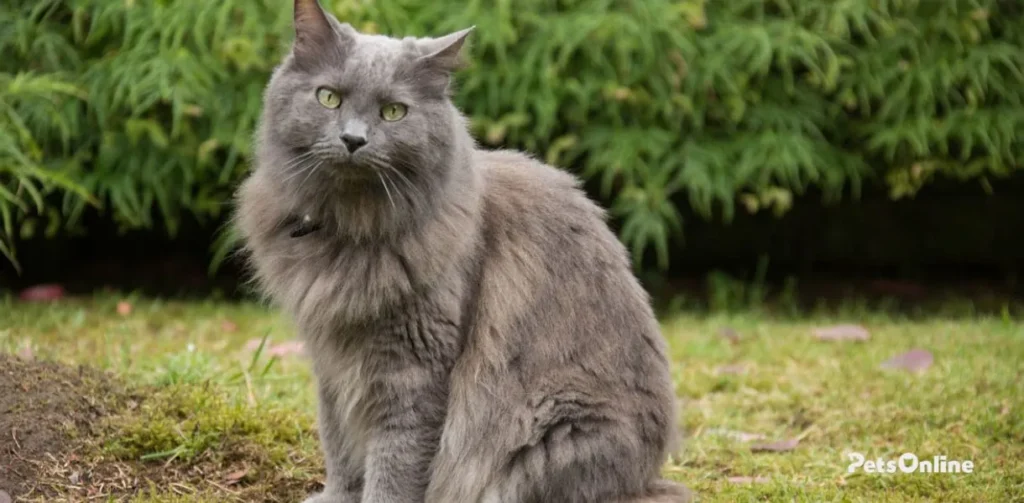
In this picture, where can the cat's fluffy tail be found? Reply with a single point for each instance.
(664, 491)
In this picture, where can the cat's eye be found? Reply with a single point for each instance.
(328, 98)
(393, 112)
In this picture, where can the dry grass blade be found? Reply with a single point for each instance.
(779, 446)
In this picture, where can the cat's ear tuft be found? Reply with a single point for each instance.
(314, 32)
(445, 53)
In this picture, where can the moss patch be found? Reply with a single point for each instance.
(212, 444)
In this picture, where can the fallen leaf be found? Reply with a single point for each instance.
(26, 353)
(896, 287)
(286, 348)
(234, 477)
(841, 333)
(42, 293)
(740, 436)
(124, 308)
(730, 335)
(732, 368)
(915, 360)
(780, 446)
(229, 326)
(4, 497)
(749, 480)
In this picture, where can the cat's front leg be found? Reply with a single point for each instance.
(344, 466)
(404, 440)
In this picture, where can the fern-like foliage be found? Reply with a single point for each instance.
(145, 108)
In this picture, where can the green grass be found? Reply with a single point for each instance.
(209, 403)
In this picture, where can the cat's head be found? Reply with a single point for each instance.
(350, 109)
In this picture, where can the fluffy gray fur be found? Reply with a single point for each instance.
(475, 328)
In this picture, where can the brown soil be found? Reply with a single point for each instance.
(44, 406)
(54, 420)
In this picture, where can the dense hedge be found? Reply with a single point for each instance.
(144, 108)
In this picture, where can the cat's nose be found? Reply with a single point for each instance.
(353, 142)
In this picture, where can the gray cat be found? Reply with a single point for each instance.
(475, 328)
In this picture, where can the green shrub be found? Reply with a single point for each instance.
(144, 108)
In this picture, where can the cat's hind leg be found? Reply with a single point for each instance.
(585, 462)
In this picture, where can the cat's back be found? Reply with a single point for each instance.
(515, 178)
(544, 210)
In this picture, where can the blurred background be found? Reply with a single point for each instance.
(827, 145)
(825, 199)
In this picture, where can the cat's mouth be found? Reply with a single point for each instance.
(347, 167)
(324, 157)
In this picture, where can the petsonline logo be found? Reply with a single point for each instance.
(908, 463)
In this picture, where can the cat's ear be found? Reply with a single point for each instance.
(316, 34)
(440, 57)
(445, 53)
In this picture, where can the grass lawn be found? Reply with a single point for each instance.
(195, 411)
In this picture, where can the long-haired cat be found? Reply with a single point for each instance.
(475, 328)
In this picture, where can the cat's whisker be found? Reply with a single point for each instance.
(304, 168)
(382, 164)
(412, 192)
(385, 185)
(403, 193)
(405, 179)
(302, 257)
(294, 161)
(312, 170)
(299, 170)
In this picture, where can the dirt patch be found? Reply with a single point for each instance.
(44, 407)
(70, 434)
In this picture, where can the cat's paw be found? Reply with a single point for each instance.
(333, 497)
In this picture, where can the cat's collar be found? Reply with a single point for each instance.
(302, 226)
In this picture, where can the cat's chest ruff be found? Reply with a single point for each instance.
(426, 335)
(334, 281)
(420, 344)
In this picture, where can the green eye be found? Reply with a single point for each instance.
(328, 98)
(393, 112)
